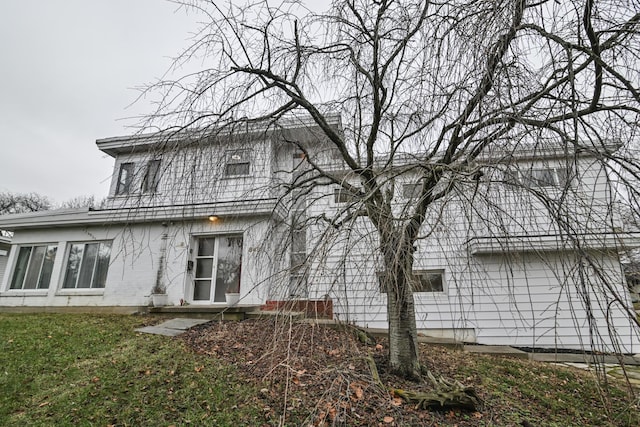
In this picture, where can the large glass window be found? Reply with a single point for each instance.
(34, 267)
(151, 177)
(125, 178)
(87, 265)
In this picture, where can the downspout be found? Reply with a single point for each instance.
(160, 287)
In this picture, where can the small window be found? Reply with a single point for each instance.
(125, 178)
(411, 191)
(238, 163)
(87, 265)
(544, 177)
(428, 281)
(151, 177)
(422, 281)
(341, 195)
(34, 267)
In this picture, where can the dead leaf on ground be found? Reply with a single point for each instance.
(356, 390)
(397, 401)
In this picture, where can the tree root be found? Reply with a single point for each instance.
(447, 394)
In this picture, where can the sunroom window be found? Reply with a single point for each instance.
(87, 265)
(34, 267)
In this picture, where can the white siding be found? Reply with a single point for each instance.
(134, 263)
(530, 299)
(3, 265)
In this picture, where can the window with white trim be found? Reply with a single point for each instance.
(411, 191)
(33, 267)
(238, 163)
(544, 177)
(428, 281)
(86, 265)
(151, 177)
(125, 179)
(341, 195)
(298, 256)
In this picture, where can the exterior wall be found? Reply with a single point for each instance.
(541, 300)
(195, 174)
(529, 297)
(3, 262)
(134, 263)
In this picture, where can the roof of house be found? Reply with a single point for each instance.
(99, 217)
(241, 129)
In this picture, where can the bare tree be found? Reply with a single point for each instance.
(447, 92)
(81, 202)
(11, 203)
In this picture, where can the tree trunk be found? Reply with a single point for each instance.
(403, 335)
(396, 280)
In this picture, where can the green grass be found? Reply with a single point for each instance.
(545, 394)
(95, 370)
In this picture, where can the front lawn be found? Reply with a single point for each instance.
(95, 370)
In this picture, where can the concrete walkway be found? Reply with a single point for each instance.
(173, 327)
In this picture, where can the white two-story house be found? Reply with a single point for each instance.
(525, 253)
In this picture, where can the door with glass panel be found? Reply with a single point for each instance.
(218, 264)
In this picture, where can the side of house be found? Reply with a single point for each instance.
(5, 247)
(197, 216)
(495, 264)
(194, 218)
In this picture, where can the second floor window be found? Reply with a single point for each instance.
(125, 178)
(151, 177)
(411, 191)
(545, 177)
(238, 163)
(341, 195)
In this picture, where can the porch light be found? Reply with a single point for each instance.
(214, 218)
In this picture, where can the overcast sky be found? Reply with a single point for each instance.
(67, 73)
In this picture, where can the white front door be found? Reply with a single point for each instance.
(218, 265)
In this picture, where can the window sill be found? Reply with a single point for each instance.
(230, 177)
(82, 291)
(25, 293)
(431, 296)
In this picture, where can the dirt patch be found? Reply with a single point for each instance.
(317, 376)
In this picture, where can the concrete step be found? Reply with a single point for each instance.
(261, 314)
